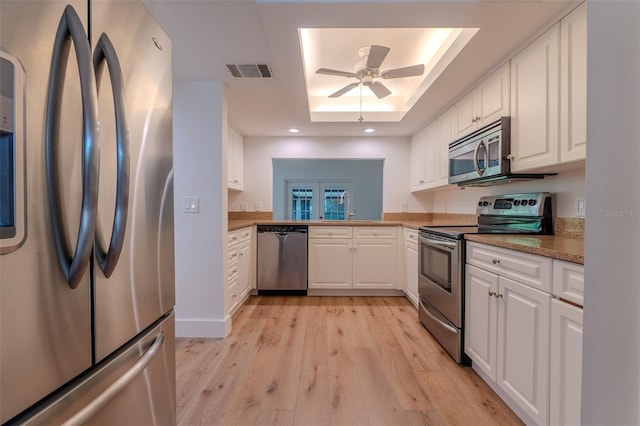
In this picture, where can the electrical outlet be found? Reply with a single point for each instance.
(244, 206)
(405, 207)
(258, 206)
(580, 208)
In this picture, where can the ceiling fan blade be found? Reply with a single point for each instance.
(377, 54)
(344, 90)
(379, 89)
(337, 73)
(411, 71)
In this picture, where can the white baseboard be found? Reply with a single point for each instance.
(208, 328)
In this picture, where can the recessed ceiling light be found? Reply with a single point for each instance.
(369, 130)
(294, 130)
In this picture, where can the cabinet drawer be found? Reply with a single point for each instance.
(232, 278)
(330, 232)
(232, 238)
(375, 232)
(232, 255)
(244, 234)
(568, 281)
(530, 269)
(411, 235)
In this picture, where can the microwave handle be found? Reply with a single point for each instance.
(475, 158)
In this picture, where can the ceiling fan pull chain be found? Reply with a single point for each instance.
(360, 119)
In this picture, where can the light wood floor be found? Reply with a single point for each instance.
(329, 361)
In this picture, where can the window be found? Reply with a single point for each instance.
(314, 200)
(310, 188)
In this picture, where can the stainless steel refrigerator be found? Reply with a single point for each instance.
(86, 214)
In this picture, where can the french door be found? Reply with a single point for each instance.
(317, 200)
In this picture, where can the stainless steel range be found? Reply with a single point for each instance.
(442, 259)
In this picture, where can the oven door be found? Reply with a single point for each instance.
(440, 275)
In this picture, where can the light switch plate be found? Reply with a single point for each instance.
(580, 208)
(191, 204)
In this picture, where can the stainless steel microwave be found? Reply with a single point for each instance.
(483, 157)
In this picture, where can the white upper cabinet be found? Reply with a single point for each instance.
(549, 97)
(423, 158)
(445, 137)
(573, 85)
(416, 165)
(235, 160)
(535, 79)
(484, 104)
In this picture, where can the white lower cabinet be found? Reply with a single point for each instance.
(566, 364)
(411, 263)
(522, 338)
(330, 263)
(507, 335)
(523, 347)
(374, 263)
(367, 260)
(239, 267)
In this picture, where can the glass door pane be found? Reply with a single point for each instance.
(334, 209)
(301, 203)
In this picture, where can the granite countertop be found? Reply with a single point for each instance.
(236, 224)
(561, 246)
(556, 247)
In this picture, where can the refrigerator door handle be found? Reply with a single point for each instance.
(71, 28)
(106, 53)
(94, 407)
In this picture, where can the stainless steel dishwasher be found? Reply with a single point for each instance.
(282, 259)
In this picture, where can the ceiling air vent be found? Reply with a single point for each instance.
(250, 71)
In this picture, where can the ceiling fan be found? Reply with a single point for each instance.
(368, 69)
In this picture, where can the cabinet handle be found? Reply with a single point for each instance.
(495, 261)
(421, 181)
(492, 293)
(511, 157)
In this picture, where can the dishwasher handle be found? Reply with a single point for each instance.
(282, 230)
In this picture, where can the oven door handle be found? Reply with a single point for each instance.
(439, 243)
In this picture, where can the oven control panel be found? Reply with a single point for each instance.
(533, 204)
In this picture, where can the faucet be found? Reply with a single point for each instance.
(349, 214)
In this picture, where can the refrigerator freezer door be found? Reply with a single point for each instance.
(45, 326)
(140, 287)
(136, 386)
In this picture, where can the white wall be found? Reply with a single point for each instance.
(199, 129)
(567, 188)
(611, 364)
(258, 171)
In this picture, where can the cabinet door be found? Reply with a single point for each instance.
(523, 347)
(566, 364)
(481, 319)
(330, 263)
(374, 263)
(492, 97)
(535, 74)
(465, 115)
(244, 269)
(411, 252)
(235, 160)
(445, 137)
(416, 167)
(573, 85)
(430, 159)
